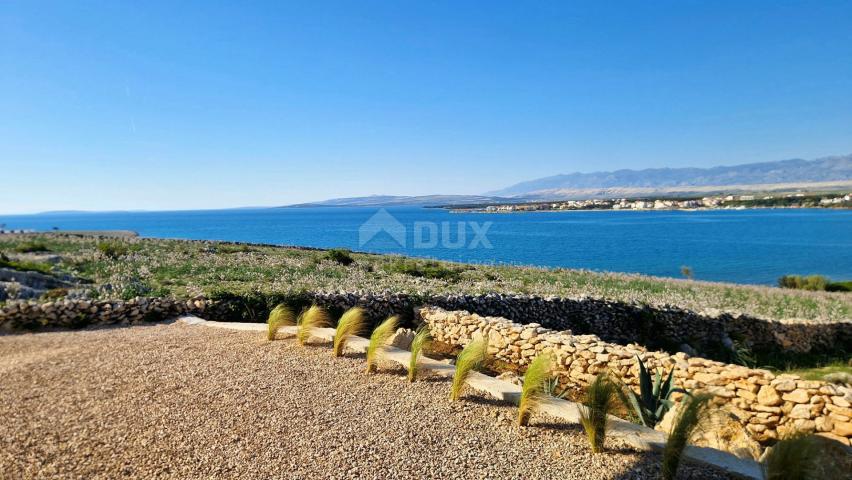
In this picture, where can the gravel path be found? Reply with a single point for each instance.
(176, 401)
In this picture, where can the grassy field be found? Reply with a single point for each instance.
(124, 268)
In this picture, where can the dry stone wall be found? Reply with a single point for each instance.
(766, 404)
(30, 315)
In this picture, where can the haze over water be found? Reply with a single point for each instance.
(745, 246)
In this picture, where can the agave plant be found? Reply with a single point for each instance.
(378, 340)
(692, 417)
(280, 316)
(468, 360)
(534, 389)
(796, 456)
(421, 338)
(600, 401)
(313, 317)
(353, 322)
(652, 403)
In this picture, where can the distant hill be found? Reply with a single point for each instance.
(830, 173)
(399, 201)
(787, 172)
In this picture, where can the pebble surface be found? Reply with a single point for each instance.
(177, 401)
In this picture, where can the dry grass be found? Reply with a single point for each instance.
(600, 401)
(280, 316)
(313, 317)
(693, 415)
(470, 358)
(421, 339)
(535, 386)
(378, 341)
(353, 322)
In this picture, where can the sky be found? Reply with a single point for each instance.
(189, 105)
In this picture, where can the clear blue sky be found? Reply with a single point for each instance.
(171, 105)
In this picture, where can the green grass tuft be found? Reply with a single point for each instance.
(600, 402)
(313, 317)
(353, 322)
(793, 457)
(692, 417)
(468, 360)
(534, 390)
(280, 316)
(421, 339)
(378, 340)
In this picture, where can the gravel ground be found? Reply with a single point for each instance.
(175, 401)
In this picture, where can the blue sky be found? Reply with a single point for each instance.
(173, 105)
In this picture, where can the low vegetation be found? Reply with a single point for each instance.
(340, 256)
(421, 340)
(352, 322)
(469, 359)
(600, 401)
(188, 268)
(534, 389)
(24, 265)
(654, 398)
(314, 317)
(692, 416)
(280, 316)
(814, 283)
(378, 341)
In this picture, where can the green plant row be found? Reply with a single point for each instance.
(796, 456)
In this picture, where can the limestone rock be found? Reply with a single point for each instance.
(769, 396)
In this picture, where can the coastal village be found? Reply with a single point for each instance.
(730, 202)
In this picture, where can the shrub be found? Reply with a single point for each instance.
(32, 247)
(533, 392)
(378, 340)
(280, 316)
(469, 359)
(313, 317)
(686, 271)
(691, 417)
(112, 249)
(421, 339)
(353, 322)
(600, 401)
(25, 266)
(423, 269)
(809, 282)
(339, 255)
(653, 401)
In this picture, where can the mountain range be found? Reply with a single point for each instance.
(821, 174)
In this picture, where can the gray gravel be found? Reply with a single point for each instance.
(175, 401)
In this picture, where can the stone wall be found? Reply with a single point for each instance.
(668, 328)
(30, 315)
(766, 404)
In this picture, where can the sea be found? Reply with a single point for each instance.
(739, 246)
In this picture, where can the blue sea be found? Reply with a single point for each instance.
(741, 246)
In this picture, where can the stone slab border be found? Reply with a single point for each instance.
(637, 435)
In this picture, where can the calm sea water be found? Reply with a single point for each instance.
(744, 246)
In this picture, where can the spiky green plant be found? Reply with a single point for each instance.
(421, 338)
(533, 392)
(280, 316)
(692, 417)
(653, 400)
(313, 317)
(796, 456)
(600, 400)
(353, 322)
(381, 335)
(469, 359)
